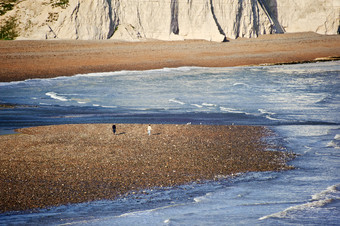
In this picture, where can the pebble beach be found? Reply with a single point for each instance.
(29, 59)
(57, 165)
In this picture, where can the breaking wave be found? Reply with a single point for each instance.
(56, 96)
(319, 200)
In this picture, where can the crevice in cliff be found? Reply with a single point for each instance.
(140, 25)
(174, 28)
(51, 31)
(272, 16)
(256, 20)
(112, 27)
(74, 15)
(216, 21)
(236, 27)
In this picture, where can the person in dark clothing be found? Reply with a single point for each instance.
(114, 129)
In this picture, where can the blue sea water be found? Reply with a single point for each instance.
(300, 103)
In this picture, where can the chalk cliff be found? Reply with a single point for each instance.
(214, 20)
(320, 16)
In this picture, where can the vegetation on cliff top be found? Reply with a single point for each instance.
(60, 3)
(6, 5)
(8, 29)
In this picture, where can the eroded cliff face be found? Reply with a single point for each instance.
(320, 16)
(38, 19)
(213, 20)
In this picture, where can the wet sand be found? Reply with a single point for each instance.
(20, 60)
(54, 165)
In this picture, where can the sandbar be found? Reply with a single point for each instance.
(56, 165)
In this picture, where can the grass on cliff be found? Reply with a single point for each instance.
(6, 5)
(8, 29)
(60, 3)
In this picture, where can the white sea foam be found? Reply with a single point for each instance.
(269, 115)
(272, 119)
(202, 198)
(142, 212)
(240, 84)
(231, 110)
(319, 200)
(208, 105)
(101, 74)
(28, 82)
(126, 72)
(56, 96)
(109, 220)
(331, 192)
(198, 199)
(181, 69)
(10, 83)
(266, 203)
(79, 100)
(174, 100)
(291, 211)
(109, 106)
(263, 111)
(197, 105)
(296, 69)
(333, 144)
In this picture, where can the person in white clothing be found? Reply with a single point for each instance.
(149, 130)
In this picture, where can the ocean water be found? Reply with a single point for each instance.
(300, 103)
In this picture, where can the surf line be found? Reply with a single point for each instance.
(55, 96)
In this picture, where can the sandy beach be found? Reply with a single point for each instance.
(20, 60)
(54, 165)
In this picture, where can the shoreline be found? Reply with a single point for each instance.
(316, 60)
(28, 59)
(62, 164)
